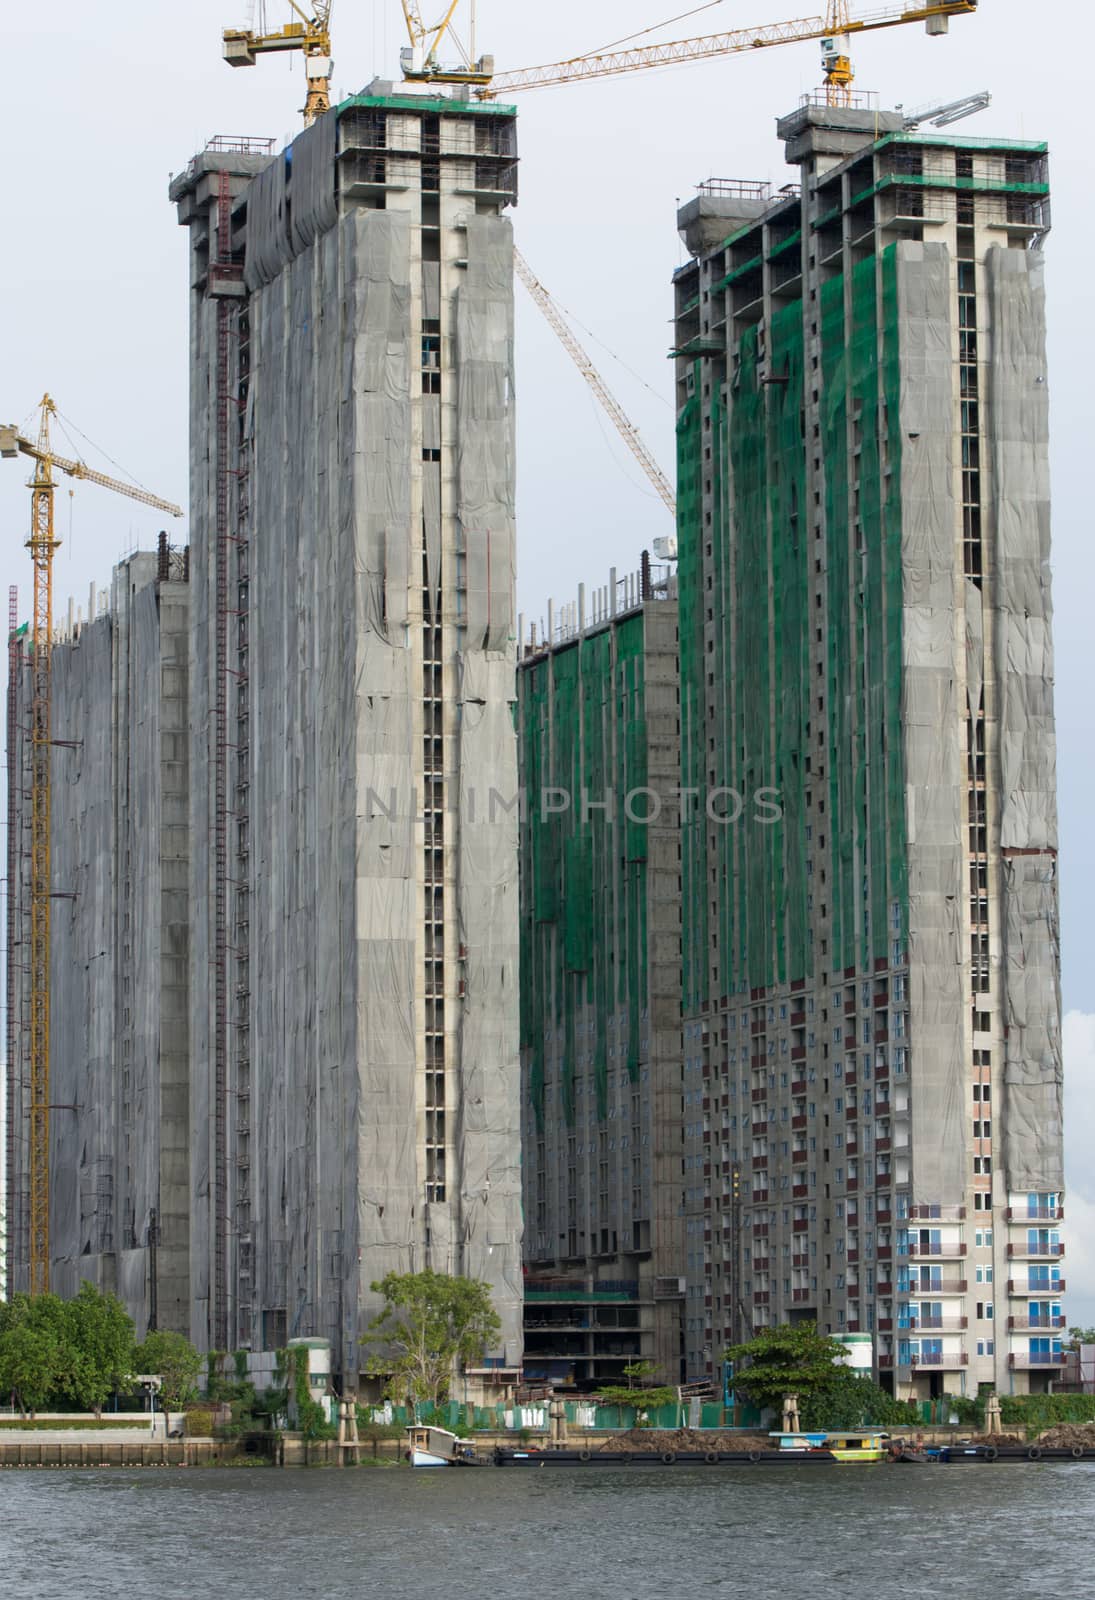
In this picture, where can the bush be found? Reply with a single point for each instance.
(198, 1424)
(970, 1412)
(78, 1424)
(1037, 1411)
(853, 1402)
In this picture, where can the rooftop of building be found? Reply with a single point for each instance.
(724, 208)
(597, 608)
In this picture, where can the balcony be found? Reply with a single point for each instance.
(938, 1324)
(943, 1251)
(760, 1128)
(1036, 1324)
(1042, 1289)
(758, 1162)
(940, 1359)
(943, 1286)
(851, 1110)
(798, 1157)
(885, 1324)
(937, 1213)
(799, 1121)
(1035, 1252)
(799, 1191)
(800, 1225)
(798, 1086)
(798, 1052)
(1035, 1360)
(803, 1297)
(1038, 1214)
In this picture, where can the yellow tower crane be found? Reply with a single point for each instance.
(42, 544)
(835, 30)
(419, 62)
(311, 34)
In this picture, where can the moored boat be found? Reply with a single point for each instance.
(855, 1445)
(437, 1447)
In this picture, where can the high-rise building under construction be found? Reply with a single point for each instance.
(354, 1098)
(600, 985)
(287, 1062)
(870, 981)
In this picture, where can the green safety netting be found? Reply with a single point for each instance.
(583, 911)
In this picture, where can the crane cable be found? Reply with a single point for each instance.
(654, 27)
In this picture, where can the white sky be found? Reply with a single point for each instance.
(100, 103)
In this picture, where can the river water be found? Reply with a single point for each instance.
(857, 1533)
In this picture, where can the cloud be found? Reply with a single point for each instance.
(1079, 1231)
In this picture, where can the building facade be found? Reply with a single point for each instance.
(600, 987)
(870, 976)
(354, 1092)
(119, 1064)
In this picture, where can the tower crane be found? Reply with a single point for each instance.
(626, 429)
(42, 544)
(419, 62)
(311, 34)
(835, 30)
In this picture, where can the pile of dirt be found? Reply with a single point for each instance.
(1069, 1436)
(677, 1440)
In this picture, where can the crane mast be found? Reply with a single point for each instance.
(42, 544)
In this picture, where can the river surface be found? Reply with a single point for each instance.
(856, 1533)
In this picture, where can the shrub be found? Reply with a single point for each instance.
(198, 1424)
(1037, 1411)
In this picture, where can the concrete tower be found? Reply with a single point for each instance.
(871, 983)
(354, 1030)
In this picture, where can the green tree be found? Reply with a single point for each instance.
(176, 1361)
(787, 1360)
(31, 1363)
(429, 1323)
(1079, 1336)
(103, 1346)
(644, 1401)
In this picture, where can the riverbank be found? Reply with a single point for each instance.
(46, 1450)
